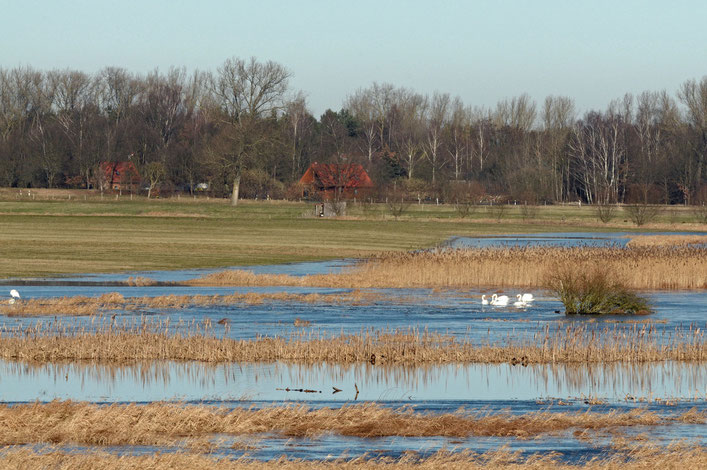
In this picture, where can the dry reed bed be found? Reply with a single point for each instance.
(641, 267)
(110, 343)
(669, 240)
(169, 424)
(640, 458)
(82, 305)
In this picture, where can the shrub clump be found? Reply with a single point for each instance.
(595, 292)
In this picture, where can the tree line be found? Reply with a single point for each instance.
(242, 130)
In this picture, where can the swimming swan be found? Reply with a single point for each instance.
(499, 300)
(520, 303)
(527, 298)
(484, 301)
(15, 295)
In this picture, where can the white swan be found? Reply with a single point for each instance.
(15, 296)
(527, 298)
(520, 303)
(499, 300)
(484, 301)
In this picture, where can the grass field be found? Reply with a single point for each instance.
(57, 232)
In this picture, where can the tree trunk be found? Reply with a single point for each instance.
(236, 189)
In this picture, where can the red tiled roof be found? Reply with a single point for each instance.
(120, 172)
(333, 175)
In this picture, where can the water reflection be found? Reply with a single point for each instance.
(466, 383)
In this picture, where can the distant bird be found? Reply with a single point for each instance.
(499, 300)
(527, 298)
(520, 303)
(484, 301)
(15, 296)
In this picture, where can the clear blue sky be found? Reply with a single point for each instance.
(483, 51)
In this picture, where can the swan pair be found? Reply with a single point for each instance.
(523, 300)
(14, 296)
(495, 300)
(502, 300)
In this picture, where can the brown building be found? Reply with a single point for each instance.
(121, 176)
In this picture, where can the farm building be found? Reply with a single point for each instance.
(324, 180)
(121, 176)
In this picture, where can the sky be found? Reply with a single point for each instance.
(482, 51)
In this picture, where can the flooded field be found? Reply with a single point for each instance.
(664, 388)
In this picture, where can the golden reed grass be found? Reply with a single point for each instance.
(148, 340)
(82, 305)
(162, 424)
(641, 267)
(640, 458)
(662, 240)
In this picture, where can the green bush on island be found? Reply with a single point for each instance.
(595, 292)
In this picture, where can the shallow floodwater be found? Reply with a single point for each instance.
(667, 387)
(269, 382)
(563, 239)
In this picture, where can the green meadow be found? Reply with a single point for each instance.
(53, 233)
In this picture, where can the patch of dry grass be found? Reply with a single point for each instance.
(663, 240)
(637, 458)
(641, 267)
(169, 424)
(82, 305)
(109, 343)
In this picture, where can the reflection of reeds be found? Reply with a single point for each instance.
(82, 305)
(167, 424)
(652, 267)
(160, 341)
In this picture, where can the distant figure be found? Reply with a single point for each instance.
(527, 298)
(499, 300)
(15, 296)
(484, 300)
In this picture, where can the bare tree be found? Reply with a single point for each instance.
(518, 112)
(298, 122)
(693, 95)
(436, 120)
(76, 98)
(363, 106)
(247, 92)
(456, 135)
(558, 117)
(480, 135)
(410, 132)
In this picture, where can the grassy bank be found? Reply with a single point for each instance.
(48, 233)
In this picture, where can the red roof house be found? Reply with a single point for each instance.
(121, 175)
(326, 179)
